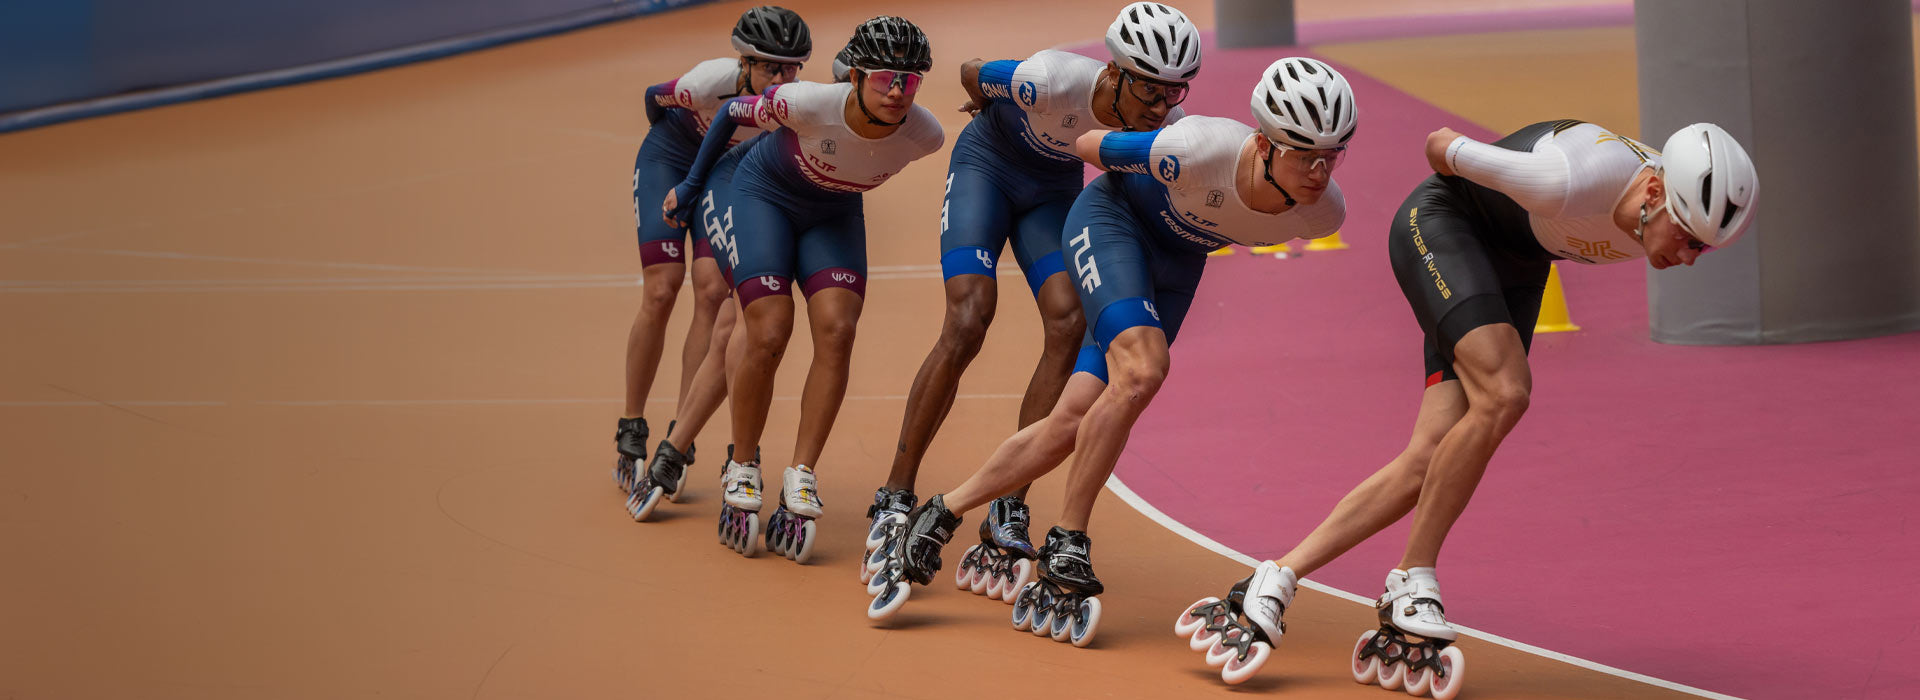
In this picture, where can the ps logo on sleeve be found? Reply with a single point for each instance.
(1028, 93)
(1169, 168)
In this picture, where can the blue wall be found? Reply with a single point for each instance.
(55, 51)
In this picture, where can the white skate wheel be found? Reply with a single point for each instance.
(752, 545)
(1237, 671)
(1453, 667)
(878, 583)
(888, 601)
(1224, 647)
(1393, 675)
(1191, 620)
(963, 572)
(1202, 639)
(978, 584)
(1365, 671)
(1042, 613)
(994, 583)
(1086, 623)
(877, 535)
(679, 487)
(803, 550)
(1022, 575)
(1023, 608)
(648, 502)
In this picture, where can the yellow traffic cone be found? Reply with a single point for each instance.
(1553, 307)
(1329, 242)
(1221, 251)
(1278, 250)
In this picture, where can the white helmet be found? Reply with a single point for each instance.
(1156, 41)
(1303, 103)
(1711, 184)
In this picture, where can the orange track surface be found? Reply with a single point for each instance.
(308, 393)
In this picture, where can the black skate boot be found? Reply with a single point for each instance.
(889, 505)
(1062, 604)
(1003, 561)
(665, 478)
(913, 555)
(630, 441)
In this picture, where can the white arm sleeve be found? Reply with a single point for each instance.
(1538, 181)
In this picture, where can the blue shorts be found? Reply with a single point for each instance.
(991, 199)
(1127, 275)
(657, 168)
(708, 221)
(781, 230)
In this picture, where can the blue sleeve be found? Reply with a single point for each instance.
(1127, 151)
(996, 80)
(733, 114)
(656, 96)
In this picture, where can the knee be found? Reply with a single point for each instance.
(1065, 330)
(966, 325)
(1137, 382)
(835, 335)
(768, 332)
(661, 293)
(712, 292)
(1505, 401)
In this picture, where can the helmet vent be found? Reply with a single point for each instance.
(1732, 209)
(1314, 114)
(1706, 188)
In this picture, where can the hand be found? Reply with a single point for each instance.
(1437, 143)
(971, 108)
(675, 208)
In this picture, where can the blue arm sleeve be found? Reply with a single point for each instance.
(996, 80)
(1127, 151)
(655, 96)
(733, 113)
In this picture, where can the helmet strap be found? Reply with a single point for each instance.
(860, 97)
(1267, 172)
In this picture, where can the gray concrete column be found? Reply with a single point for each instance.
(1241, 24)
(1821, 94)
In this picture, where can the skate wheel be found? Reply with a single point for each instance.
(1042, 611)
(1061, 625)
(877, 535)
(679, 487)
(877, 582)
(803, 549)
(751, 546)
(1193, 618)
(1203, 639)
(981, 578)
(1021, 576)
(1238, 670)
(1085, 623)
(963, 574)
(1225, 646)
(619, 475)
(888, 601)
(1366, 671)
(1393, 675)
(1023, 607)
(1446, 685)
(995, 584)
(646, 504)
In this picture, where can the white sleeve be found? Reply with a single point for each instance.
(1033, 72)
(1537, 181)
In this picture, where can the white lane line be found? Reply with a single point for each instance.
(66, 404)
(469, 282)
(1176, 527)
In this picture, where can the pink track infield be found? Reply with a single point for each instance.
(1733, 519)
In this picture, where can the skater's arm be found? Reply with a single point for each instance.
(1537, 180)
(660, 98)
(1125, 151)
(735, 113)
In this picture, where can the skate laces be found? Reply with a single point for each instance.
(743, 478)
(803, 485)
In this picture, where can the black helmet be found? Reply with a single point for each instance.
(842, 65)
(890, 43)
(773, 33)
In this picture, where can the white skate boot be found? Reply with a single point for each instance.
(1239, 633)
(1414, 644)
(790, 529)
(740, 515)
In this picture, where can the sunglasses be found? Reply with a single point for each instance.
(1302, 160)
(1154, 92)
(1693, 242)
(771, 69)
(884, 81)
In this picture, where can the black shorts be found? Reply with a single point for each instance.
(1460, 268)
